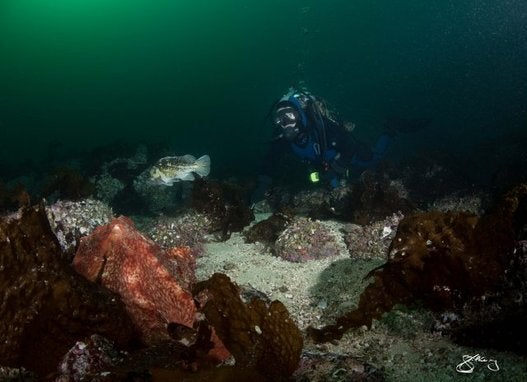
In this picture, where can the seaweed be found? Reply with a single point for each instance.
(268, 230)
(13, 197)
(440, 259)
(374, 197)
(67, 183)
(45, 306)
(223, 204)
(261, 337)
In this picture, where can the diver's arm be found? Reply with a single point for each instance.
(273, 157)
(268, 169)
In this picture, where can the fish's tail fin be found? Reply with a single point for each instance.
(202, 166)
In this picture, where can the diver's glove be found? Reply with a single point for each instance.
(263, 184)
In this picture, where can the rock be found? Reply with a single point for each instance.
(151, 281)
(71, 220)
(319, 367)
(371, 241)
(305, 239)
(88, 359)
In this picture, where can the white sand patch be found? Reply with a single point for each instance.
(254, 265)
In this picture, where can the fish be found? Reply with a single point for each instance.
(169, 170)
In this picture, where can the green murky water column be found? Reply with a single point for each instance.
(201, 75)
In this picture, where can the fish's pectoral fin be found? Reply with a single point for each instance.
(188, 176)
(167, 181)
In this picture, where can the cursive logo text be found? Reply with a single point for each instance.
(469, 363)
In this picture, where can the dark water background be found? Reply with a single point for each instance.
(200, 76)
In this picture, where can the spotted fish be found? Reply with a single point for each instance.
(169, 170)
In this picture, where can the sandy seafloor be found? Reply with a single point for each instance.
(401, 344)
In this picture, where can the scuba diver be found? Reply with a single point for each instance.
(312, 132)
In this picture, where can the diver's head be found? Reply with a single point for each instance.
(288, 120)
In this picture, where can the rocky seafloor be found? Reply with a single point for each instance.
(419, 319)
(405, 345)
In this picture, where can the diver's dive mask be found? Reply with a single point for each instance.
(287, 118)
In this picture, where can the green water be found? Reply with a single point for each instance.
(201, 75)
